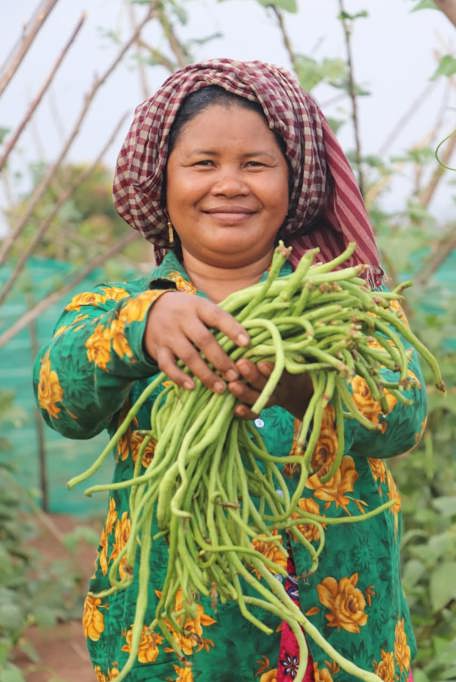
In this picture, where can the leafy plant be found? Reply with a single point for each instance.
(32, 592)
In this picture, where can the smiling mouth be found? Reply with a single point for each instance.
(230, 215)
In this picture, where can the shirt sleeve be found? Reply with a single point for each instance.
(84, 375)
(400, 429)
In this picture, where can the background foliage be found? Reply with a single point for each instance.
(415, 244)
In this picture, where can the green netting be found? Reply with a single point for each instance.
(64, 457)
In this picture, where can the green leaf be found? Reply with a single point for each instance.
(205, 39)
(333, 69)
(26, 646)
(413, 571)
(424, 4)
(445, 505)
(446, 67)
(11, 674)
(420, 676)
(80, 533)
(442, 585)
(308, 72)
(44, 616)
(351, 17)
(335, 123)
(179, 12)
(11, 616)
(287, 5)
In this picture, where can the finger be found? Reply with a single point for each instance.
(243, 392)
(203, 339)
(214, 316)
(251, 374)
(185, 351)
(167, 363)
(265, 368)
(244, 412)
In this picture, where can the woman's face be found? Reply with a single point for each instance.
(227, 187)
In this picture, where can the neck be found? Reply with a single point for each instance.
(219, 282)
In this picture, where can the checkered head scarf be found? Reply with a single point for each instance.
(326, 208)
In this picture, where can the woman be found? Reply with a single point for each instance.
(226, 158)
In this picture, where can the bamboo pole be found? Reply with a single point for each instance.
(42, 186)
(448, 7)
(25, 42)
(56, 295)
(11, 143)
(39, 427)
(353, 97)
(47, 222)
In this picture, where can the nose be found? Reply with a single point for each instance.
(230, 184)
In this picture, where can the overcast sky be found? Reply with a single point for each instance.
(394, 59)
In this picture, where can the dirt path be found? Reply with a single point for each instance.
(61, 649)
(63, 655)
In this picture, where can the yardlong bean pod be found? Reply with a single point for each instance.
(213, 489)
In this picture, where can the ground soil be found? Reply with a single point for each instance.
(61, 649)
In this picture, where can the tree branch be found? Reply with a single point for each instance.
(178, 49)
(52, 298)
(23, 45)
(42, 186)
(286, 38)
(440, 252)
(57, 205)
(448, 7)
(39, 96)
(145, 90)
(353, 97)
(158, 56)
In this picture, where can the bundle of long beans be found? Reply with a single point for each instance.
(212, 488)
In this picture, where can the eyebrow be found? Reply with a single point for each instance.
(211, 152)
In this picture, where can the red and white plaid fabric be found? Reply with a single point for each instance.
(326, 207)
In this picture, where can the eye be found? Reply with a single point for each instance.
(255, 164)
(204, 163)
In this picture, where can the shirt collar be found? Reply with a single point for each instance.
(172, 269)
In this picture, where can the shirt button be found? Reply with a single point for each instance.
(259, 423)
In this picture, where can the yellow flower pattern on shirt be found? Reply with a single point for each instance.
(93, 618)
(50, 391)
(335, 491)
(385, 668)
(310, 530)
(183, 674)
(401, 647)
(346, 597)
(271, 550)
(191, 638)
(269, 676)
(345, 601)
(370, 408)
(99, 347)
(87, 298)
(322, 674)
(148, 644)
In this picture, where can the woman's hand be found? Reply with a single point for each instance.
(292, 392)
(179, 328)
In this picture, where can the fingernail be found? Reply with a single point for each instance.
(231, 375)
(189, 385)
(243, 339)
(219, 387)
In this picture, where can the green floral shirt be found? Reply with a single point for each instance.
(95, 367)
